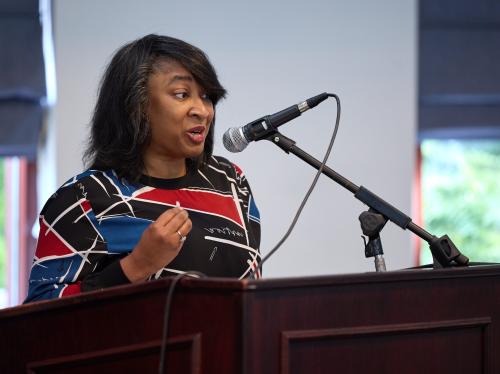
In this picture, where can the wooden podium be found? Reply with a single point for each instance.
(413, 321)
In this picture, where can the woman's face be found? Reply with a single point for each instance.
(179, 113)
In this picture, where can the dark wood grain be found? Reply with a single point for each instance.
(445, 321)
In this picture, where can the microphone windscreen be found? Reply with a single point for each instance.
(234, 141)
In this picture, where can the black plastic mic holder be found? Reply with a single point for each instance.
(371, 224)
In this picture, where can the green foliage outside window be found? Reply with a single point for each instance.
(461, 196)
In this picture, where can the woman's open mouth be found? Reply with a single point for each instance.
(197, 134)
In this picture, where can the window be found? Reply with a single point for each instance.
(18, 212)
(3, 249)
(461, 195)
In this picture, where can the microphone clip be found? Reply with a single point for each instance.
(281, 140)
(372, 223)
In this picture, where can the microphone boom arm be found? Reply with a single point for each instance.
(444, 252)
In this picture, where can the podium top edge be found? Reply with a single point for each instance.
(212, 284)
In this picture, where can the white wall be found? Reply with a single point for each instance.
(269, 55)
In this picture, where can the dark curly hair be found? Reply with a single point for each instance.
(119, 129)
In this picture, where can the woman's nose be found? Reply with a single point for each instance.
(202, 107)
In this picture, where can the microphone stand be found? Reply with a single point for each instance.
(444, 252)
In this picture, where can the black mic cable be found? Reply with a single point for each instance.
(311, 188)
(166, 316)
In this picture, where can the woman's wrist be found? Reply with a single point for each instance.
(134, 269)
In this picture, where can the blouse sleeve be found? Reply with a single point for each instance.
(71, 254)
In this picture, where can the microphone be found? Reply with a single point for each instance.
(236, 139)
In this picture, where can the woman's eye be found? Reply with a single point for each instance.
(181, 95)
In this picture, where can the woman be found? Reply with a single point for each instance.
(154, 202)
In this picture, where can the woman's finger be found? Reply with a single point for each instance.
(185, 228)
(168, 215)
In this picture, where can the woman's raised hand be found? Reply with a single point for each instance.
(160, 243)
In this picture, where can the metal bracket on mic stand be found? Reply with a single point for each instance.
(444, 252)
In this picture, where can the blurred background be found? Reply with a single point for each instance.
(419, 83)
